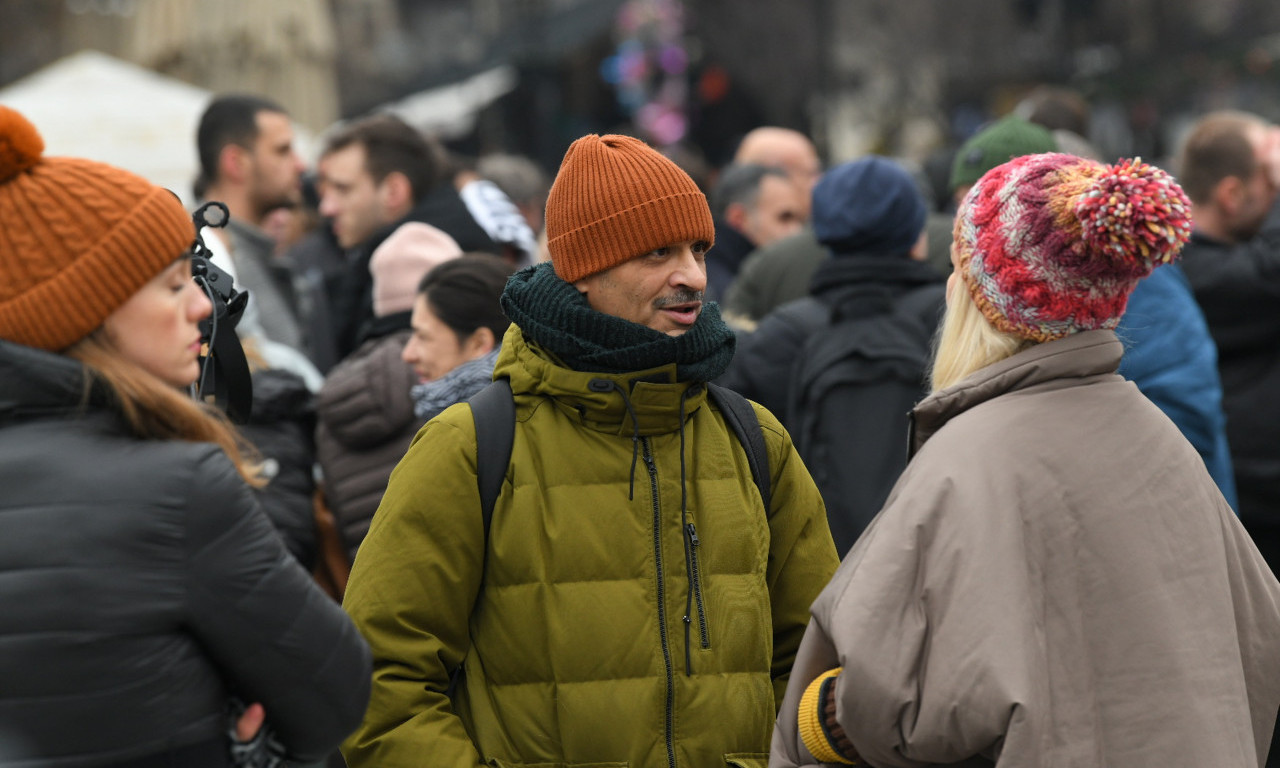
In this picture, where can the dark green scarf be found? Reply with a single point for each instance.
(555, 315)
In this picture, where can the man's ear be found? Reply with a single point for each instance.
(920, 251)
(735, 215)
(233, 164)
(583, 284)
(397, 194)
(1227, 194)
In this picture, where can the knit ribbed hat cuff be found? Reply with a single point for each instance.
(60, 311)
(633, 232)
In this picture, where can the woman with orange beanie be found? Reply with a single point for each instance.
(142, 590)
(1055, 580)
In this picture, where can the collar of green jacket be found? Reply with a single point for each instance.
(648, 402)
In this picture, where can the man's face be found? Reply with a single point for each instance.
(661, 289)
(349, 198)
(779, 211)
(1256, 194)
(276, 169)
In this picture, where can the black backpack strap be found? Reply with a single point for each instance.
(494, 411)
(746, 427)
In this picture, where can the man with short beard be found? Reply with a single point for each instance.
(248, 162)
(634, 600)
(1229, 165)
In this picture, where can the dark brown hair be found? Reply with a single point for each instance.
(464, 293)
(391, 145)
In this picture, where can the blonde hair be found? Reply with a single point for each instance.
(154, 410)
(966, 342)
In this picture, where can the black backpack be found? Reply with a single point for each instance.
(852, 388)
(494, 412)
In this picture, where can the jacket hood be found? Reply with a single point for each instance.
(652, 400)
(365, 400)
(842, 278)
(37, 383)
(1052, 364)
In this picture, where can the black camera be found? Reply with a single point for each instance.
(224, 372)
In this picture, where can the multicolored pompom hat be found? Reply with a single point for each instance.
(1052, 244)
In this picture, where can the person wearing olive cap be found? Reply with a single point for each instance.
(1055, 580)
(143, 588)
(634, 601)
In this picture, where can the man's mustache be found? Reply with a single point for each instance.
(678, 298)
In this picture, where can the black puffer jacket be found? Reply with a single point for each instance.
(282, 427)
(854, 439)
(141, 586)
(1238, 288)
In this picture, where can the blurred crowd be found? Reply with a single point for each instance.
(924, 345)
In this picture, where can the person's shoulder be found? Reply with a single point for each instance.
(449, 437)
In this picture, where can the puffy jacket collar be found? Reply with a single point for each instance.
(601, 401)
(1051, 365)
(37, 383)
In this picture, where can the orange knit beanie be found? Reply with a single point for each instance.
(616, 198)
(77, 239)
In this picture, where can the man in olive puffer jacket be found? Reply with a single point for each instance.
(633, 602)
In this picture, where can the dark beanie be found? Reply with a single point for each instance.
(870, 205)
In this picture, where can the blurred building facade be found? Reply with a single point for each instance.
(894, 76)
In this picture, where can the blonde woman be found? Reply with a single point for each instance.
(1055, 580)
(142, 590)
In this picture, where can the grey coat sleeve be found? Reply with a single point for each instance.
(277, 637)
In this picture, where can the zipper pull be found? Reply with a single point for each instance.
(693, 534)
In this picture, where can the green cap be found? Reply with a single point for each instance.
(996, 144)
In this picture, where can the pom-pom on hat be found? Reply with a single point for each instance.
(1052, 244)
(871, 205)
(616, 198)
(401, 261)
(77, 239)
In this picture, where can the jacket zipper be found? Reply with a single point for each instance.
(695, 578)
(670, 723)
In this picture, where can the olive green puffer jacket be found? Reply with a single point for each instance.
(636, 605)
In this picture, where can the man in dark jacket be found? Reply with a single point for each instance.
(753, 206)
(376, 174)
(845, 365)
(1229, 166)
(634, 600)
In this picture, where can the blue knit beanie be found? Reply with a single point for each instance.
(871, 205)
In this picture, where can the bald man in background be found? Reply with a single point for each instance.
(783, 148)
(767, 277)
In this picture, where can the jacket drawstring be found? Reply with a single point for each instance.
(609, 385)
(684, 492)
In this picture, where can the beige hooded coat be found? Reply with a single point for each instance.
(1054, 581)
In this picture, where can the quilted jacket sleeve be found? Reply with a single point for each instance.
(802, 557)
(279, 639)
(411, 592)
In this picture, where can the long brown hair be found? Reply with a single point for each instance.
(153, 410)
